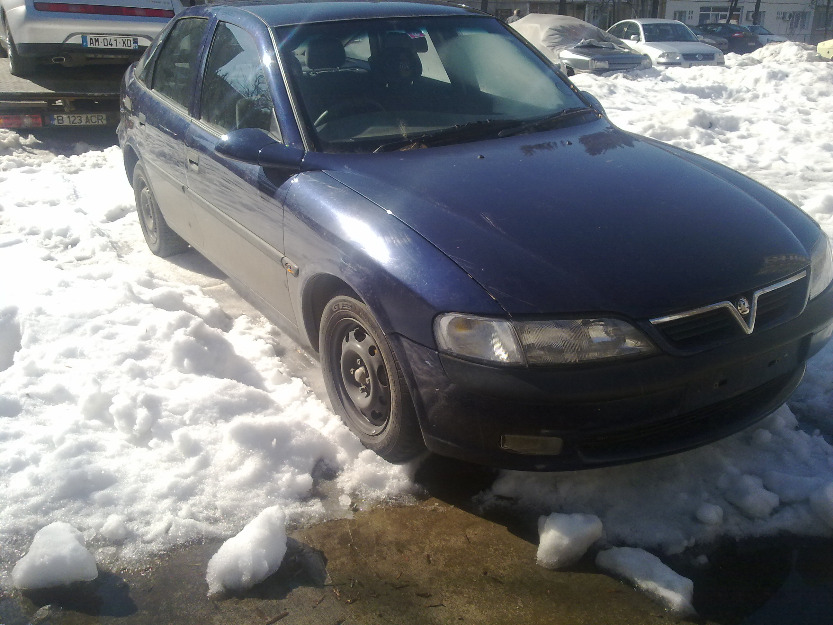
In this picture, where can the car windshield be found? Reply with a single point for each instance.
(760, 30)
(373, 85)
(667, 32)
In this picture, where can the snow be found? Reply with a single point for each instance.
(251, 556)
(143, 403)
(649, 574)
(565, 538)
(58, 556)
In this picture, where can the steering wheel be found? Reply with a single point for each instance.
(352, 106)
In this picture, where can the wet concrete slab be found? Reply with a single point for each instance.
(425, 563)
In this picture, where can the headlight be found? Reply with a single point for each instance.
(670, 57)
(550, 342)
(594, 64)
(821, 266)
(646, 62)
(478, 338)
(718, 57)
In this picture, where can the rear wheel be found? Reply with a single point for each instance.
(18, 65)
(364, 381)
(161, 240)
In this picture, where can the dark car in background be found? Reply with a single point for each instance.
(710, 38)
(740, 40)
(486, 266)
(577, 46)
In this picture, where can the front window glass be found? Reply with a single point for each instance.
(235, 93)
(667, 32)
(176, 61)
(374, 85)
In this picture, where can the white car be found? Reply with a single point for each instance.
(764, 35)
(669, 43)
(33, 32)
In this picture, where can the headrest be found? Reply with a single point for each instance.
(325, 53)
(397, 63)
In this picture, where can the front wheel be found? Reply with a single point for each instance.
(365, 383)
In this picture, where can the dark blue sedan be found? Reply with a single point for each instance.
(486, 265)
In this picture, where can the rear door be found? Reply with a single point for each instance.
(239, 206)
(163, 119)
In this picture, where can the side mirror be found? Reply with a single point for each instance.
(634, 37)
(256, 147)
(594, 102)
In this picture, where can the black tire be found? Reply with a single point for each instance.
(161, 240)
(18, 65)
(365, 383)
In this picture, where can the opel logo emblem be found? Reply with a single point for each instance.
(743, 306)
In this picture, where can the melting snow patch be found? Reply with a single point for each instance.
(647, 573)
(58, 556)
(565, 538)
(251, 556)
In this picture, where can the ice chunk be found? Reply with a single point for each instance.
(710, 514)
(251, 556)
(58, 556)
(747, 492)
(566, 537)
(647, 573)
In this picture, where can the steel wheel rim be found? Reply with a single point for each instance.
(363, 378)
(147, 214)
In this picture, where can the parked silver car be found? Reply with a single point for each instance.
(68, 33)
(577, 46)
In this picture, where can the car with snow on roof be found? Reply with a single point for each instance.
(486, 266)
(577, 46)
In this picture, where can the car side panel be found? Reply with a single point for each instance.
(239, 210)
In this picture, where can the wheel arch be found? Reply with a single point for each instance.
(319, 290)
(131, 159)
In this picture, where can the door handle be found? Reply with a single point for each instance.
(193, 160)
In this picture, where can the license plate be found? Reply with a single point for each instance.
(79, 119)
(105, 41)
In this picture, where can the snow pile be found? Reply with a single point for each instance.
(565, 538)
(650, 575)
(251, 556)
(58, 556)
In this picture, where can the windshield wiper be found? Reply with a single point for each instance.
(543, 123)
(455, 134)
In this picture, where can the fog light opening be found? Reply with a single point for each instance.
(532, 445)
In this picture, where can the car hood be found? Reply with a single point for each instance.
(586, 219)
(683, 47)
(598, 52)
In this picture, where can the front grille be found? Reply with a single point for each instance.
(698, 57)
(719, 322)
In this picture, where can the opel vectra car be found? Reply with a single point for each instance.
(669, 43)
(577, 46)
(79, 31)
(486, 265)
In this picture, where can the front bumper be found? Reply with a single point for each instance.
(610, 413)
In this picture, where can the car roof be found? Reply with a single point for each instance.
(291, 12)
(652, 20)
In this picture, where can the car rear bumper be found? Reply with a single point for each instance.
(614, 413)
(37, 32)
